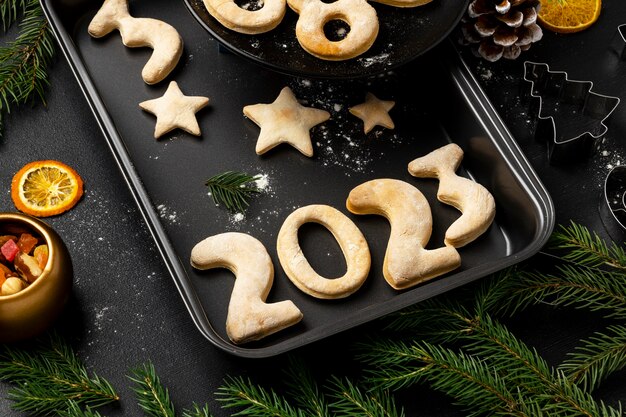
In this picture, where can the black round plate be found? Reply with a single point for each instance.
(405, 33)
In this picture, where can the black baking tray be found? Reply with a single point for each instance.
(438, 101)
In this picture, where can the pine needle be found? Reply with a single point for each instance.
(197, 411)
(304, 390)
(233, 189)
(152, 396)
(350, 400)
(10, 10)
(586, 248)
(49, 376)
(23, 62)
(597, 358)
(254, 401)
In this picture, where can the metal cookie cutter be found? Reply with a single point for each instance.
(613, 203)
(579, 113)
(618, 44)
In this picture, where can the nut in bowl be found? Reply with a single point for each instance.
(36, 275)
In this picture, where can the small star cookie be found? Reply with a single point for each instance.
(175, 110)
(285, 121)
(374, 112)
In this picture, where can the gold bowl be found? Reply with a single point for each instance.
(32, 310)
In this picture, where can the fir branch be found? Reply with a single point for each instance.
(352, 401)
(304, 389)
(23, 62)
(598, 357)
(74, 410)
(254, 401)
(10, 10)
(197, 411)
(233, 189)
(586, 248)
(472, 382)
(152, 396)
(572, 285)
(49, 376)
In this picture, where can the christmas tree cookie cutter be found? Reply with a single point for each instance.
(618, 44)
(581, 113)
(613, 203)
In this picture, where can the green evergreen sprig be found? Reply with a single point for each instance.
(152, 396)
(24, 61)
(233, 189)
(597, 358)
(49, 376)
(586, 248)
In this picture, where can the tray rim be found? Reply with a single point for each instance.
(460, 75)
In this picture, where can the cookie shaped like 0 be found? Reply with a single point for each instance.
(350, 239)
(315, 14)
(249, 22)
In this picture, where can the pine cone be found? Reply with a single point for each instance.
(501, 28)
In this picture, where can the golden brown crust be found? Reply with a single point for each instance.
(406, 262)
(350, 239)
(249, 317)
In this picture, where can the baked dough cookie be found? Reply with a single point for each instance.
(476, 204)
(374, 112)
(249, 316)
(165, 41)
(250, 22)
(314, 14)
(285, 121)
(175, 110)
(350, 239)
(406, 262)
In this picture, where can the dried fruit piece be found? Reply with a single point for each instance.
(27, 242)
(41, 255)
(46, 188)
(12, 286)
(9, 250)
(568, 16)
(27, 266)
(2, 277)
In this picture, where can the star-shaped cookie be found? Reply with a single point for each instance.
(285, 121)
(374, 112)
(175, 110)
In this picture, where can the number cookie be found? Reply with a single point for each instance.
(315, 14)
(476, 204)
(350, 239)
(249, 317)
(250, 22)
(406, 261)
(165, 41)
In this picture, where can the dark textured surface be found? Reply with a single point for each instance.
(126, 310)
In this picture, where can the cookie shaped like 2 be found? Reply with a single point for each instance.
(350, 239)
(314, 14)
(165, 41)
(249, 317)
(250, 22)
(476, 204)
(406, 262)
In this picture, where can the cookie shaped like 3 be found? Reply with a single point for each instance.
(250, 22)
(165, 41)
(476, 204)
(249, 317)
(406, 262)
(350, 239)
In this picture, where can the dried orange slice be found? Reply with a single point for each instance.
(568, 16)
(46, 188)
